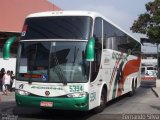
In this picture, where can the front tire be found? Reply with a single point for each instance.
(102, 102)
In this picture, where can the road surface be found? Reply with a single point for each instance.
(145, 104)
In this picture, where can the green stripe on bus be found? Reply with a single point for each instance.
(81, 104)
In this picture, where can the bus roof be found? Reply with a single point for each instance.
(76, 13)
(64, 13)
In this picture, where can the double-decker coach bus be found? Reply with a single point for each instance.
(74, 60)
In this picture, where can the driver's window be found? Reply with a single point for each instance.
(98, 48)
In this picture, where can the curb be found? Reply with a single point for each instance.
(156, 89)
(155, 92)
(7, 98)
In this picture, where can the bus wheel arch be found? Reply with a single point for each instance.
(103, 100)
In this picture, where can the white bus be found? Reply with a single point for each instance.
(74, 60)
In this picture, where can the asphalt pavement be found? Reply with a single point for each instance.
(156, 89)
(145, 102)
(7, 98)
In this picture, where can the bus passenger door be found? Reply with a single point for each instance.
(95, 87)
(96, 77)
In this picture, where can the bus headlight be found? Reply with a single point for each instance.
(77, 95)
(22, 92)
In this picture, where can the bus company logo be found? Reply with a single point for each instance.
(47, 93)
(21, 86)
(119, 56)
(25, 27)
(44, 77)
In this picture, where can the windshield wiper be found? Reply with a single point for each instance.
(59, 71)
(76, 50)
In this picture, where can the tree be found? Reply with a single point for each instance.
(149, 22)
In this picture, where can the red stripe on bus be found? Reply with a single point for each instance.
(114, 71)
(130, 67)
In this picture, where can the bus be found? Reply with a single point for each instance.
(74, 60)
(148, 73)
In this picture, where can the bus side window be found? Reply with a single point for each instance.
(98, 48)
(143, 71)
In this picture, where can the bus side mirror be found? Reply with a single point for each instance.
(7, 46)
(90, 50)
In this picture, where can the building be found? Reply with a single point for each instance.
(149, 54)
(13, 13)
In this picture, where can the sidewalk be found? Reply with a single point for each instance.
(5, 98)
(157, 88)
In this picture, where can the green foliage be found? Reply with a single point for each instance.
(149, 22)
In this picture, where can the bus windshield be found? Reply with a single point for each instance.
(55, 62)
(57, 27)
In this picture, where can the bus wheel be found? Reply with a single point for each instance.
(102, 102)
(131, 93)
(135, 84)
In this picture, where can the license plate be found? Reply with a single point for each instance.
(46, 104)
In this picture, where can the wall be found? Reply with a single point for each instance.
(8, 64)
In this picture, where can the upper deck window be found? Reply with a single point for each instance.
(57, 27)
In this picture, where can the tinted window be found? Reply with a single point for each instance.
(67, 62)
(142, 71)
(56, 62)
(150, 68)
(34, 61)
(117, 40)
(98, 47)
(62, 27)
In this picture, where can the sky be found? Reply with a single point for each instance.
(121, 12)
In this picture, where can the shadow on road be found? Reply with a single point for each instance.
(33, 113)
(156, 107)
(148, 83)
(38, 114)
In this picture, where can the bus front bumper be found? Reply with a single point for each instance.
(80, 104)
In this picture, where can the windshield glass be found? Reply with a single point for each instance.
(150, 68)
(57, 27)
(56, 62)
